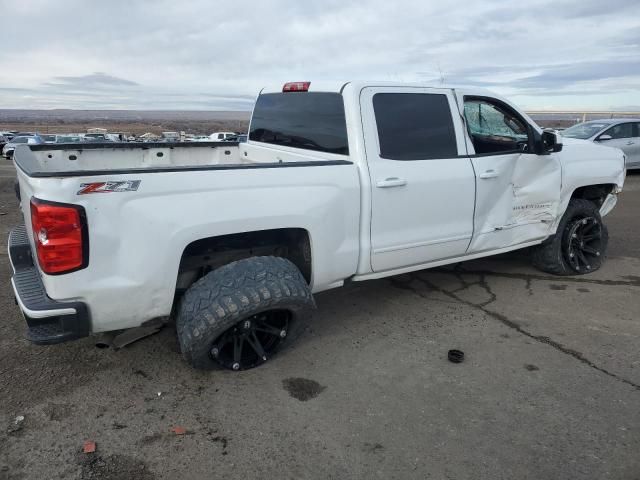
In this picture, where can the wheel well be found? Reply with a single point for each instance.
(594, 193)
(206, 254)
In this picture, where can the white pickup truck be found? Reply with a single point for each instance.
(337, 183)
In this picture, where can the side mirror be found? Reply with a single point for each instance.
(604, 138)
(548, 142)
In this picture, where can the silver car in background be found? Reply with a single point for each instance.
(9, 147)
(622, 133)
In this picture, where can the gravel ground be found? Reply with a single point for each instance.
(550, 386)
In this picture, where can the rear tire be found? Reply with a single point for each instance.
(579, 245)
(241, 314)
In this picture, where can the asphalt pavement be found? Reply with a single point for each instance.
(549, 388)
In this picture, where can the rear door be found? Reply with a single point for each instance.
(422, 182)
(517, 191)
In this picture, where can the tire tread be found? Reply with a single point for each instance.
(233, 292)
(548, 256)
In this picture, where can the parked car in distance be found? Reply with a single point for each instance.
(97, 138)
(9, 148)
(622, 133)
(48, 138)
(198, 138)
(238, 138)
(68, 139)
(221, 136)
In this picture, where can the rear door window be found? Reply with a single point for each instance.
(308, 120)
(414, 126)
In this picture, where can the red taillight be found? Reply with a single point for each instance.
(296, 87)
(58, 231)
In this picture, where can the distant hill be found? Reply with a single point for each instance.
(15, 115)
(133, 121)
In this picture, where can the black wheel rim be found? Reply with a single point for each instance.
(583, 244)
(252, 341)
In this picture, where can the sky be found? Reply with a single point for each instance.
(216, 55)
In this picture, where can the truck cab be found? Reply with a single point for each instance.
(446, 173)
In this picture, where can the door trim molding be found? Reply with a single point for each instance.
(408, 246)
(438, 263)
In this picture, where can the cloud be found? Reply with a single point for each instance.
(166, 54)
(94, 80)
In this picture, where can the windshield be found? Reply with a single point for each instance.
(584, 130)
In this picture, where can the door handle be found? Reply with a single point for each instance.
(391, 182)
(489, 174)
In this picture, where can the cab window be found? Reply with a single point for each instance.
(414, 126)
(493, 128)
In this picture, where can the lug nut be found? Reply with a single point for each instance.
(214, 352)
(236, 366)
(283, 333)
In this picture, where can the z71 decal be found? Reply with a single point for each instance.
(109, 187)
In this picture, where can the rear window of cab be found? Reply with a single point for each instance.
(307, 120)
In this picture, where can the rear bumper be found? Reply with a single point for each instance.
(48, 321)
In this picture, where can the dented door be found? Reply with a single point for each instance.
(517, 199)
(517, 192)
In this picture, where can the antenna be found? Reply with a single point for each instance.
(441, 75)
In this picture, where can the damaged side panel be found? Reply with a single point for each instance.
(518, 202)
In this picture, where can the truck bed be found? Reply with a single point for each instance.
(69, 160)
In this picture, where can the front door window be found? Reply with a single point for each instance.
(493, 129)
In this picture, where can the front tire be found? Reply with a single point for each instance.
(240, 315)
(579, 245)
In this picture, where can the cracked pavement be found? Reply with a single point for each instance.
(550, 385)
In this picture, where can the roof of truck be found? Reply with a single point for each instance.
(338, 86)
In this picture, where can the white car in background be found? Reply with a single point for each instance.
(622, 133)
(221, 136)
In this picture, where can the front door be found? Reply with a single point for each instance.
(624, 136)
(517, 191)
(422, 181)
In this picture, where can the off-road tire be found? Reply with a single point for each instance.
(235, 292)
(551, 256)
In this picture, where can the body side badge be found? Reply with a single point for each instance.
(109, 187)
